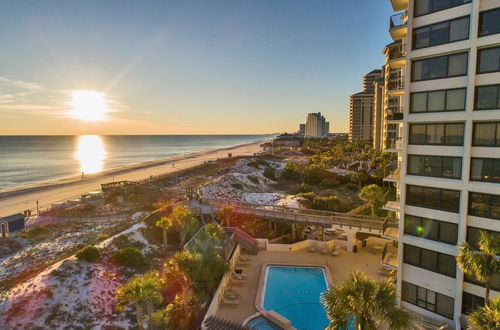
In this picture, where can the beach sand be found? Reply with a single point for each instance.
(18, 199)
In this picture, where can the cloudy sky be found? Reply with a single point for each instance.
(185, 67)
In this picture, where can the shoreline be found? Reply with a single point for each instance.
(18, 199)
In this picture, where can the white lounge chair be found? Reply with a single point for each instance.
(229, 301)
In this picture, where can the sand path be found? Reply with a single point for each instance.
(14, 200)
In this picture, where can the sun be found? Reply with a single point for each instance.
(88, 105)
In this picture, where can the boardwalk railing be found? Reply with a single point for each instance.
(302, 216)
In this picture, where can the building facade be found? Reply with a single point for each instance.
(361, 109)
(316, 125)
(444, 81)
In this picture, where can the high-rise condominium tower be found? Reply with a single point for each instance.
(316, 125)
(443, 80)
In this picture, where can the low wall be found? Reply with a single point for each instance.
(308, 243)
(219, 294)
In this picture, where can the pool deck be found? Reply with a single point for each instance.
(339, 266)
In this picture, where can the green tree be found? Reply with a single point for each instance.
(486, 317)
(184, 221)
(131, 257)
(165, 223)
(359, 178)
(314, 174)
(140, 291)
(292, 171)
(372, 194)
(483, 264)
(180, 314)
(225, 215)
(215, 232)
(370, 303)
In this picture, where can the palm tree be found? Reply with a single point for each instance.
(140, 291)
(372, 194)
(367, 302)
(482, 264)
(165, 223)
(183, 220)
(487, 317)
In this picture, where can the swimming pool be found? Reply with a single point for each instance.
(294, 292)
(261, 323)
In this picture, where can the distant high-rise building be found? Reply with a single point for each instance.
(361, 109)
(378, 113)
(302, 129)
(316, 125)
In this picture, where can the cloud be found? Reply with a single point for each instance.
(18, 84)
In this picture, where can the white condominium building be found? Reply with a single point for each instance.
(442, 78)
(316, 125)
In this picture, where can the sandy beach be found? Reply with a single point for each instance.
(18, 199)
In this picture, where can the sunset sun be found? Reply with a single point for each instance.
(88, 105)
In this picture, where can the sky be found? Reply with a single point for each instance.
(185, 67)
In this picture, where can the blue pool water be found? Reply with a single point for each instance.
(294, 292)
(261, 323)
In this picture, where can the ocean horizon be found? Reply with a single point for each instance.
(29, 159)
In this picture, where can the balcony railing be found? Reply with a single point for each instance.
(394, 116)
(396, 52)
(394, 175)
(398, 20)
(390, 229)
(398, 83)
(394, 143)
(390, 255)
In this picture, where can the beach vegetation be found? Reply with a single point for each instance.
(258, 162)
(237, 185)
(225, 214)
(215, 232)
(367, 303)
(36, 233)
(253, 179)
(123, 241)
(89, 253)
(483, 265)
(130, 257)
(292, 171)
(165, 223)
(314, 174)
(359, 178)
(270, 173)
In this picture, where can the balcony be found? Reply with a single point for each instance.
(393, 144)
(396, 56)
(394, 176)
(390, 229)
(390, 256)
(394, 116)
(397, 25)
(398, 5)
(396, 86)
(392, 206)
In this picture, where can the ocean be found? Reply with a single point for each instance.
(30, 159)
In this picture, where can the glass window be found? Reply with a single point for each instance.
(454, 134)
(471, 302)
(473, 236)
(413, 225)
(412, 255)
(484, 205)
(436, 101)
(409, 292)
(430, 229)
(489, 60)
(450, 200)
(441, 263)
(439, 33)
(418, 102)
(435, 166)
(417, 134)
(437, 67)
(488, 97)
(429, 259)
(489, 22)
(455, 99)
(445, 305)
(447, 264)
(420, 70)
(448, 232)
(422, 37)
(423, 7)
(440, 199)
(485, 169)
(457, 65)
(485, 134)
(435, 134)
(459, 29)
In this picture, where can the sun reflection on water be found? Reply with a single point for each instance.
(90, 153)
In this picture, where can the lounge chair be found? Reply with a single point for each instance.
(237, 281)
(231, 294)
(228, 301)
(239, 276)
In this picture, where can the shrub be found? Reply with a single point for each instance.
(130, 257)
(254, 179)
(305, 188)
(37, 233)
(292, 171)
(89, 253)
(351, 186)
(270, 173)
(327, 183)
(238, 186)
(257, 163)
(314, 174)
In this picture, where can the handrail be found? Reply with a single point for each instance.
(398, 20)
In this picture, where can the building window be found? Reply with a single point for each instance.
(486, 134)
(473, 236)
(431, 260)
(427, 299)
(439, 100)
(489, 22)
(484, 205)
(494, 283)
(423, 7)
(488, 60)
(441, 33)
(435, 166)
(471, 302)
(487, 97)
(485, 169)
(437, 134)
(440, 67)
(436, 230)
(433, 198)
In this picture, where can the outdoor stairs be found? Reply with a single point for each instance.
(246, 241)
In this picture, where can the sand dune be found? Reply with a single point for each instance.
(13, 200)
